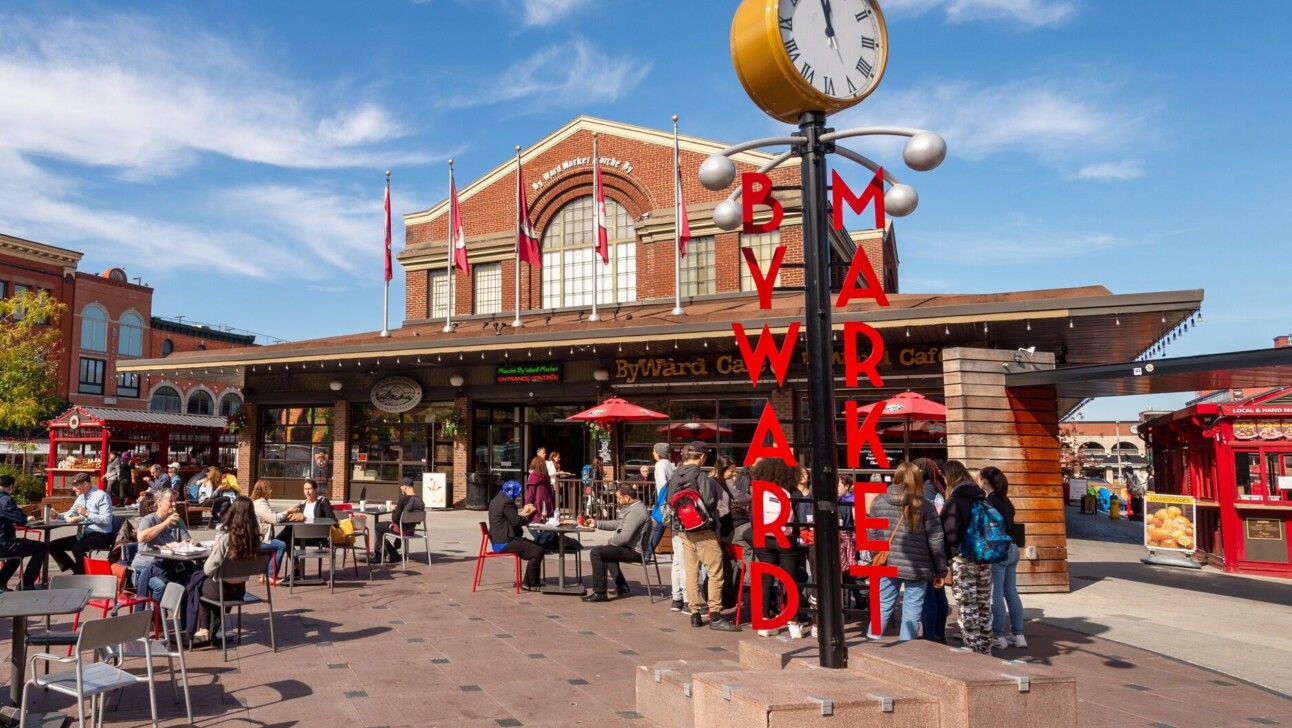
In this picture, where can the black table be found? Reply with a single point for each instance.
(375, 512)
(19, 605)
(47, 528)
(560, 531)
(170, 555)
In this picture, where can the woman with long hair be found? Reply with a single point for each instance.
(1004, 576)
(538, 489)
(786, 477)
(933, 623)
(914, 536)
(970, 580)
(267, 518)
(208, 486)
(238, 540)
(723, 472)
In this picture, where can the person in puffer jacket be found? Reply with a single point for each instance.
(916, 548)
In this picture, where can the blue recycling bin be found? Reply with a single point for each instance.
(1105, 499)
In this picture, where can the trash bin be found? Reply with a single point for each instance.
(478, 491)
(1137, 508)
(1114, 507)
(1089, 503)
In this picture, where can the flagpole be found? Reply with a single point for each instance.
(448, 260)
(678, 212)
(520, 215)
(385, 300)
(596, 224)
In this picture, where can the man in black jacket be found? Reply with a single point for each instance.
(506, 529)
(700, 545)
(12, 548)
(408, 503)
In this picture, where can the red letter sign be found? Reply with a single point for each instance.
(764, 282)
(759, 569)
(840, 193)
(768, 424)
(760, 195)
(766, 349)
(861, 266)
(762, 491)
(867, 434)
(852, 367)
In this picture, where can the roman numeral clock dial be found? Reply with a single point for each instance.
(808, 55)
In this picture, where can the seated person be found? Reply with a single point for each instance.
(315, 505)
(408, 503)
(624, 545)
(159, 528)
(14, 548)
(172, 478)
(229, 481)
(239, 540)
(267, 518)
(506, 526)
(93, 511)
(209, 486)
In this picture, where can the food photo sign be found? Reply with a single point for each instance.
(1169, 523)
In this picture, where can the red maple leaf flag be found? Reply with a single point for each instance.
(683, 223)
(388, 270)
(457, 238)
(599, 200)
(526, 237)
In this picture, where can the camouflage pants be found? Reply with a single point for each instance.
(971, 586)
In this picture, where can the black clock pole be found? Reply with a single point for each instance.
(821, 409)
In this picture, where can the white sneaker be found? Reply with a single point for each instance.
(1019, 641)
(769, 632)
(999, 643)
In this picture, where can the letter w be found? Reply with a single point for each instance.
(766, 349)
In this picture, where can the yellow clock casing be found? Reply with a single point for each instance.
(794, 56)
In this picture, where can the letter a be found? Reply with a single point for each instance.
(861, 266)
(768, 424)
(766, 349)
(841, 193)
(760, 195)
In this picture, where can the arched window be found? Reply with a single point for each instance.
(570, 259)
(230, 403)
(168, 347)
(1092, 449)
(131, 342)
(94, 328)
(200, 403)
(165, 399)
(1124, 449)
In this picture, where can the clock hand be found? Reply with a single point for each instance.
(829, 26)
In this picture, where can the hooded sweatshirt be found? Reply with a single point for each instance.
(957, 513)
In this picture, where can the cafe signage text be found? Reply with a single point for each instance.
(630, 371)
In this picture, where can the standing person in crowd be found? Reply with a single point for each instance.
(777, 472)
(267, 519)
(970, 580)
(700, 546)
(847, 532)
(408, 503)
(933, 624)
(623, 546)
(239, 540)
(93, 511)
(538, 489)
(506, 531)
(315, 504)
(154, 480)
(723, 472)
(664, 469)
(741, 488)
(112, 476)
(159, 528)
(14, 548)
(916, 548)
(554, 466)
(1004, 576)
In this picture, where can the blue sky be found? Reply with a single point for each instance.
(232, 154)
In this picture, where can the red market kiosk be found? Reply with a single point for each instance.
(1236, 460)
(80, 437)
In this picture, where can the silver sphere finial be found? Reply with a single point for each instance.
(674, 118)
(717, 173)
(727, 215)
(924, 151)
(901, 200)
(517, 147)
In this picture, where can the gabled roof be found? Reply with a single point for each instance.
(588, 124)
(110, 416)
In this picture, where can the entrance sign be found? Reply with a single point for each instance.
(527, 373)
(396, 394)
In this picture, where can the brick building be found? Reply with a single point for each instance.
(473, 403)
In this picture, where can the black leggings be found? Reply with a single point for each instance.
(791, 560)
(233, 592)
(532, 553)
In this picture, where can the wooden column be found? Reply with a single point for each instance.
(1017, 431)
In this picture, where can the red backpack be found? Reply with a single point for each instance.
(688, 510)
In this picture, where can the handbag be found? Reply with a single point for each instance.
(881, 558)
(296, 517)
(343, 533)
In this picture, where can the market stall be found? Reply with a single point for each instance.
(80, 438)
(1236, 460)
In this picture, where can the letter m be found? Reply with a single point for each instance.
(840, 193)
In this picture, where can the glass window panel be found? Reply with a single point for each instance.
(200, 403)
(741, 409)
(94, 329)
(132, 335)
(439, 293)
(569, 244)
(1247, 472)
(165, 399)
(487, 287)
(764, 247)
(698, 271)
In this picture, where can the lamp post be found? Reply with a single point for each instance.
(924, 150)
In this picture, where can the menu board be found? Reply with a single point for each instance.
(1168, 522)
(1262, 429)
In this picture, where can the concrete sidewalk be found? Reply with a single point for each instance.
(418, 648)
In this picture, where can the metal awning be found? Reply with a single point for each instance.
(1232, 370)
(113, 417)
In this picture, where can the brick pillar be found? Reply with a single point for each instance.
(339, 489)
(248, 440)
(783, 402)
(462, 463)
(1017, 431)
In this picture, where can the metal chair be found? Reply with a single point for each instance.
(90, 679)
(345, 511)
(643, 549)
(737, 552)
(306, 538)
(243, 570)
(172, 611)
(103, 590)
(488, 553)
(408, 523)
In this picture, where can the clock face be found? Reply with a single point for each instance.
(837, 46)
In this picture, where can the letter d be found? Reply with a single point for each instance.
(757, 570)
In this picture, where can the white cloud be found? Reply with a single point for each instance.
(1020, 241)
(567, 74)
(1128, 169)
(1030, 13)
(1060, 123)
(539, 13)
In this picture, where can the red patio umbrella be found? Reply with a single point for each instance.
(694, 430)
(909, 405)
(616, 410)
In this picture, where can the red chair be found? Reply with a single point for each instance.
(487, 552)
(738, 553)
(103, 567)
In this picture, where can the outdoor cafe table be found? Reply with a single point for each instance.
(46, 529)
(560, 531)
(19, 605)
(376, 513)
(196, 554)
(291, 547)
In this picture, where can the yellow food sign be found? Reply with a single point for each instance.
(1169, 523)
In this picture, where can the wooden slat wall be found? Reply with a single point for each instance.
(1017, 431)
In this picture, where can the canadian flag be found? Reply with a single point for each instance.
(457, 238)
(526, 237)
(599, 200)
(388, 270)
(683, 223)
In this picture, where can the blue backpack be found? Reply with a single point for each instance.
(986, 541)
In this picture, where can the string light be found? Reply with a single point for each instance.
(1070, 324)
(984, 327)
(1029, 324)
(908, 332)
(1117, 319)
(946, 329)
